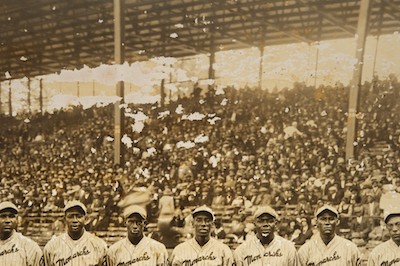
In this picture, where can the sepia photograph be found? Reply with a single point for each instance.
(200, 132)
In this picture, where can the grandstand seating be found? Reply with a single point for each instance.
(67, 155)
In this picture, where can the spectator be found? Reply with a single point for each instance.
(371, 208)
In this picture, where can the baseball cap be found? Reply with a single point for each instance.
(75, 203)
(135, 209)
(203, 209)
(8, 205)
(265, 210)
(393, 210)
(327, 208)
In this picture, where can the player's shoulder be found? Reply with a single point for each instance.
(242, 247)
(283, 240)
(309, 243)
(117, 245)
(346, 243)
(154, 243)
(309, 246)
(219, 244)
(54, 241)
(182, 245)
(382, 247)
(285, 243)
(21, 238)
(248, 243)
(95, 239)
(26, 240)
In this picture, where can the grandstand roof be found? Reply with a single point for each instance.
(44, 36)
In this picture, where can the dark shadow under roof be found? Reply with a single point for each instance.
(44, 36)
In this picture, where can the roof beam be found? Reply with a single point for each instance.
(389, 6)
(266, 22)
(329, 17)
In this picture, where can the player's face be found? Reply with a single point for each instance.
(265, 225)
(202, 224)
(135, 225)
(8, 222)
(327, 223)
(393, 225)
(75, 220)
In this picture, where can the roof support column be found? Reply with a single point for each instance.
(162, 93)
(261, 48)
(260, 68)
(162, 86)
(211, 71)
(316, 64)
(29, 95)
(362, 29)
(119, 56)
(381, 11)
(41, 96)
(9, 98)
(1, 109)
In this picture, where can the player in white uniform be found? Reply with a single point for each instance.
(327, 248)
(388, 253)
(266, 247)
(137, 249)
(16, 249)
(76, 247)
(202, 250)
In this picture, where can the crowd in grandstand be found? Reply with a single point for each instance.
(231, 151)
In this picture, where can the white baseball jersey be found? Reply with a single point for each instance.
(387, 253)
(19, 250)
(279, 252)
(89, 250)
(339, 251)
(190, 253)
(147, 252)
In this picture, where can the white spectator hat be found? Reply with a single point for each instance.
(135, 209)
(265, 210)
(203, 209)
(327, 208)
(392, 210)
(8, 205)
(75, 203)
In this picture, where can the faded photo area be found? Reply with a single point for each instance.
(200, 132)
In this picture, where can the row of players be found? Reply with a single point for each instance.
(78, 247)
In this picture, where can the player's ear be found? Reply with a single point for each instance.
(337, 221)
(86, 219)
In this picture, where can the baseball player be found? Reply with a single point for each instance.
(388, 253)
(326, 248)
(76, 247)
(137, 249)
(266, 247)
(16, 249)
(202, 250)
